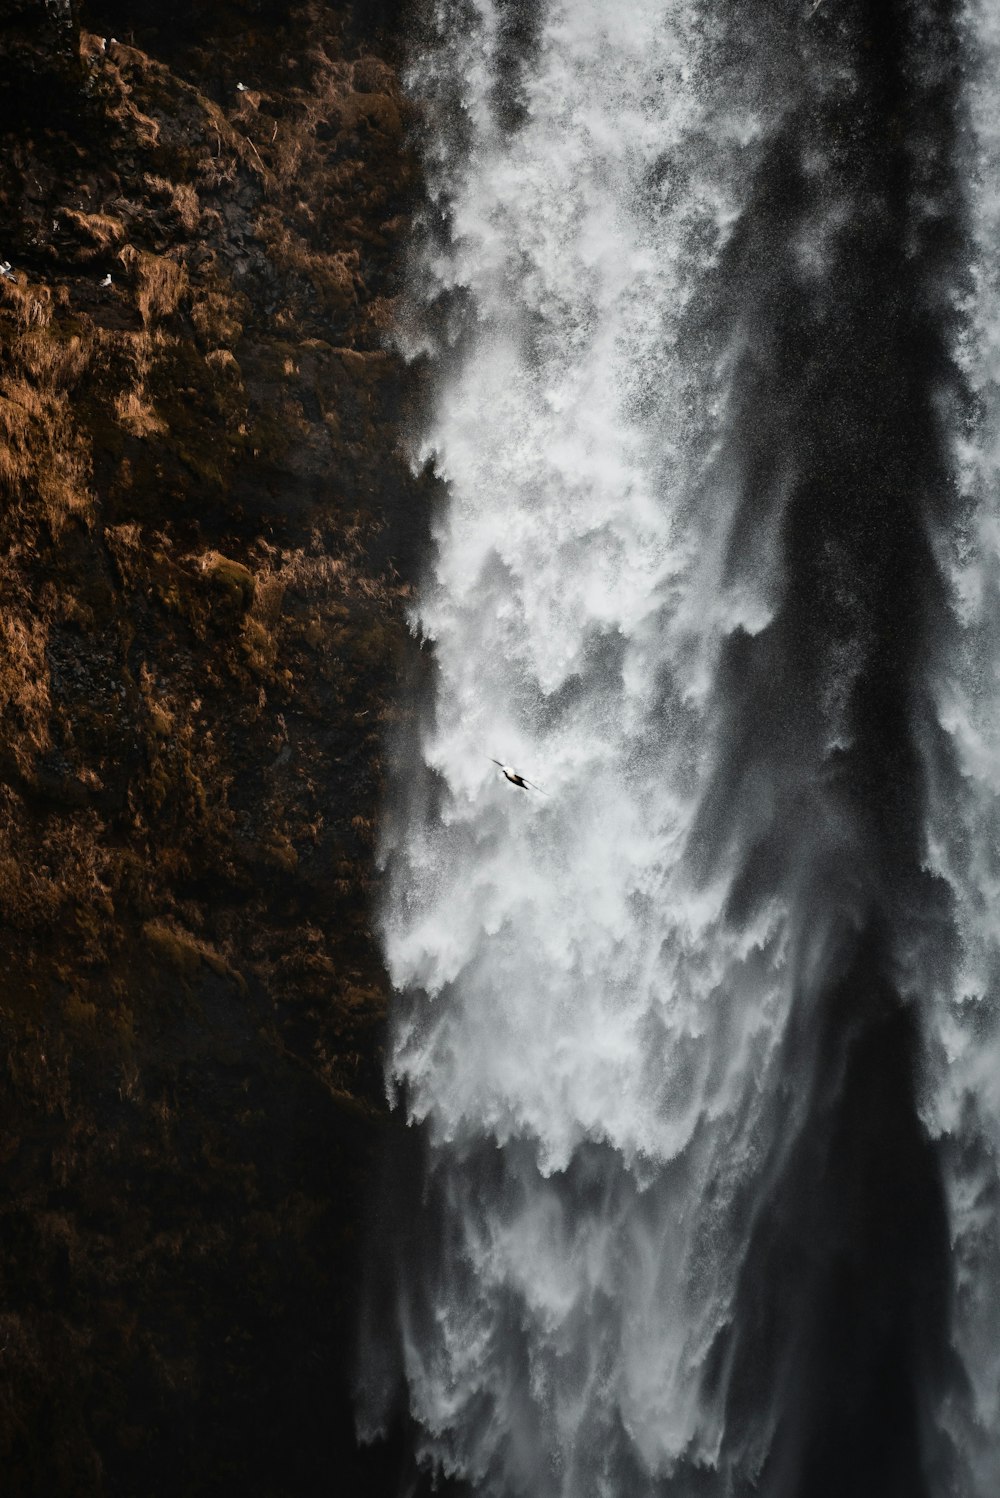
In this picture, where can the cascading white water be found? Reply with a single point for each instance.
(575, 604)
(573, 986)
(677, 292)
(964, 831)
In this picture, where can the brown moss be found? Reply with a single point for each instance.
(186, 953)
(234, 581)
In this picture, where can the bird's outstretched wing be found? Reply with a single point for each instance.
(521, 779)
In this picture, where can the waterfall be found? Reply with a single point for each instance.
(962, 750)
(699, 1038)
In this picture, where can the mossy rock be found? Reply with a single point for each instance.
(186, 954)
(277, 850)
(173, 947)
(232, 581)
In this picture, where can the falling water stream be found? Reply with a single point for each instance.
(701, 1040)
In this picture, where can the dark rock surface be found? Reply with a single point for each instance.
(208, 534)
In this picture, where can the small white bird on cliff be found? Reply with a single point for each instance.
(241, 88)
(6, 271)
(106, 282)
(516, 778)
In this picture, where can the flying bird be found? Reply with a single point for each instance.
(509, 773)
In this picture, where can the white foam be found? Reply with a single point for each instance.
(570, 992)
(963, 1102)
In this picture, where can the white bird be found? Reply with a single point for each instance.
(107, 280)
(515, 777)
(6, 272)
(241, 88)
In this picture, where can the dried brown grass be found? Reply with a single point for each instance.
(50, 361)
(25, 702)
(336, 277)
(181, 199)
(44, 456)
(223, 360)
(42, 451)
(215, 315)
(161, 283)
(100, 232)
(64, 882)
(31, 306)
(138, 416)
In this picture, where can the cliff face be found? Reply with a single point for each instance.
(206, 540)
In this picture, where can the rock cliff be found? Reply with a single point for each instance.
(208, 533)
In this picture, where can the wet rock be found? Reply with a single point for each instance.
(207, 538)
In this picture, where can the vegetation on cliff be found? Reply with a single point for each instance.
(207, 533)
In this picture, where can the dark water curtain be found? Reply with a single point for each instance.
(701, 1045)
